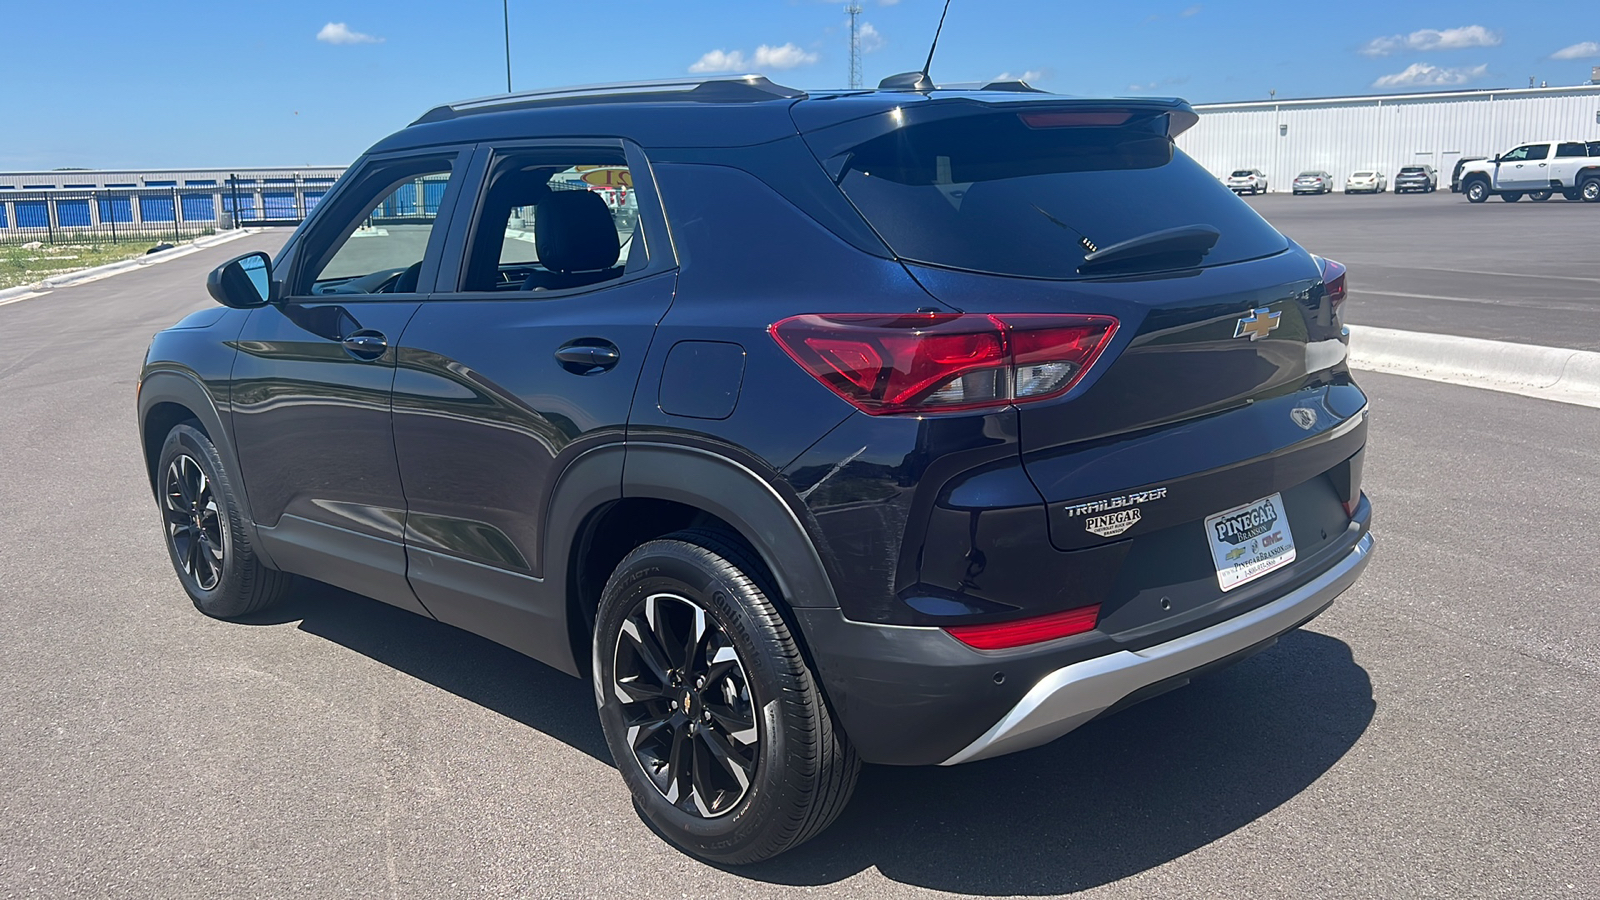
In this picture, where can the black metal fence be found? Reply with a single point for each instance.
(72, 215)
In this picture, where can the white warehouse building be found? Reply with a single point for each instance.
(1341, 135)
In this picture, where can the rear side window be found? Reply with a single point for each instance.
(554, 220)
(1564, 151)
(1031, 193)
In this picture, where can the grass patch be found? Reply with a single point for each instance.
(19, 265)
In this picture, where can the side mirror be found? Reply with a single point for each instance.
(242, 283)
(1496, 158)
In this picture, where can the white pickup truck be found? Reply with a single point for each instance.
(1538, 170)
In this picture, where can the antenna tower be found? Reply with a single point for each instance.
(854, 10)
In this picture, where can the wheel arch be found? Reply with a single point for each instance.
(168, 398)
(660, 489)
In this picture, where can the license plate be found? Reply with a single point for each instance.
(1249, 541)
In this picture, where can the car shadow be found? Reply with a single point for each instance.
(1112, 799)
(473, 668)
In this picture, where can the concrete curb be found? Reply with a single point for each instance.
(1549, 373)
(84, 276)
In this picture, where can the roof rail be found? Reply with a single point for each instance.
(712, 89)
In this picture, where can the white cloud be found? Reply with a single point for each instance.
(340, 33)
(720, 61)
(1030, 75)
(1143, 87)
(1191, 11)
(787, 56)
(1584, 50)
(871, 38)
(887, 2)
(1432, 39)
(1425, 75)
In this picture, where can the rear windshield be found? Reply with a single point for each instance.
(1310, 174)
(1032, 193)
(1243, 173)
(1362, 175)
(1411, 170)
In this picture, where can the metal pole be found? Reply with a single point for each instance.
(111, 204)
(505, 9)
(175, 216)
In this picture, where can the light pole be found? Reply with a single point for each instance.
(505, 9)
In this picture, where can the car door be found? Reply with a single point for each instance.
(1521, 169)
(1570, 157)
(525, 358)
(315, 369)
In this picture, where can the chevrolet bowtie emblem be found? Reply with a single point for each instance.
(1257, 324)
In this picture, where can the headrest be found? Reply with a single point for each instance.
(573, 232)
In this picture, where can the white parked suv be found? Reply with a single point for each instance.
(1536, 170)
(1242, 180)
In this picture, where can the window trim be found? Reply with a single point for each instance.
(334, 205)
(652, 227)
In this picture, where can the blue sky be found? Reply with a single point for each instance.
(296, 82)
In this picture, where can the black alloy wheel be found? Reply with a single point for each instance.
(1511, 198)
(1539, 196)
(194, 522)
(685, 700)
(715, 721)
(1572, 196)
(205, 530)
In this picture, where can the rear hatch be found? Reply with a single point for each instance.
(1225, 382)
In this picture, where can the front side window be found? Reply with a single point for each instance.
(1517, 155)
(375, 241)
(554, 220)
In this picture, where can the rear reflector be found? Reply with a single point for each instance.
(943, 362)
(1006, 635)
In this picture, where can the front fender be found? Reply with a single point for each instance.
(163, 387)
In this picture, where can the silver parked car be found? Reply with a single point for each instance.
(1424, 179)
(1246, 180)
(1316, 182)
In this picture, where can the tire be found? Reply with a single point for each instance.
(789, 770)
(1539, 196)
(1572, 196)
(1511, 198)
(1589, 190)
(1477, 190)
(203, 523)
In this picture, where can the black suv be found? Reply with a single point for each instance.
(899, 426)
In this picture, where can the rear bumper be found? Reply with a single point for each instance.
(1072, 695)
(914, 695)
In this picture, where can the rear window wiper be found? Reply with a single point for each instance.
(1177, 247)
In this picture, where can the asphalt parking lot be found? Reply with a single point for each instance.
(1523, 272)
(1435, 734)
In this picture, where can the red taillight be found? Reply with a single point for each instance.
(1006, 635)
(1333, 283)
(938, 362)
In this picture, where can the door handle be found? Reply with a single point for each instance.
(365, 344)
(588, 356)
